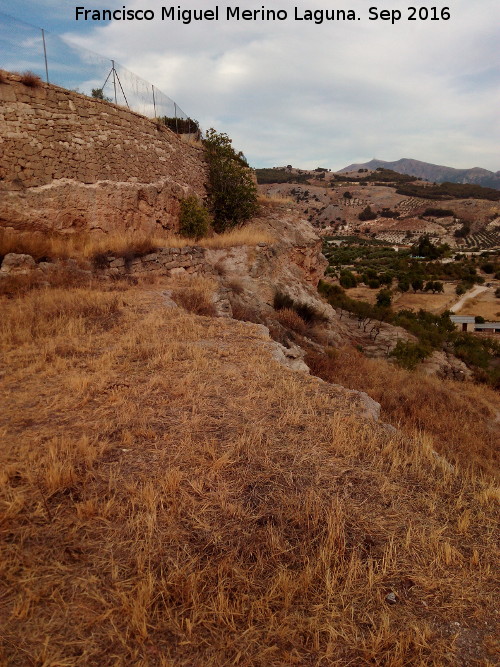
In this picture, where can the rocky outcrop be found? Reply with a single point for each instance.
(446, 366)
(14, 263)
(292, 265)
(74, 163)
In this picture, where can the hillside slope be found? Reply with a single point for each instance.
(433, 172)
(171, 495)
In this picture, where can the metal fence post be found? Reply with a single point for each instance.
(114, 78)
(45, 55)
(154, 102)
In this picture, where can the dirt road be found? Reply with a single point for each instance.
(468, 295)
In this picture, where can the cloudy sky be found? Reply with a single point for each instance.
(315, 95)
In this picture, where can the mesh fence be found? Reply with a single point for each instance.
(24, 47)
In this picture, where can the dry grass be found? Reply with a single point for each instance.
(485, 304)
(434, 303)
(196, 295)
(247, 235)
(462, 420)
(87, 246)
(170, 496)
(288, 318)
(245, 313)
(187, 139)
(30, 79)
(59, 276)
(275, 199)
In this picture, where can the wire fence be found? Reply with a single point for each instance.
(55, 59)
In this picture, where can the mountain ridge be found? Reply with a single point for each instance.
(433, 172)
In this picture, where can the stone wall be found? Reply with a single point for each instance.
(72, 163)
(165, 261)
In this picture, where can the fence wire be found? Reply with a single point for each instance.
(55, 59)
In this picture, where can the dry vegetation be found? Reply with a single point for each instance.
(30, 79)
(275, 199)
(87, 246)
(170, 496)
(434, 303)
(485, 304)
(461, 421)
(196, 295)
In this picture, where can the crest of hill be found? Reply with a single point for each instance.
(433, 172)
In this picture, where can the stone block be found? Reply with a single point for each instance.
(17, 263)
(178, 272)
(7, 93)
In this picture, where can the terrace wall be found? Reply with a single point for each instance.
(73, 163)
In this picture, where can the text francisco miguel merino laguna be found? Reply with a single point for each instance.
(236, 13)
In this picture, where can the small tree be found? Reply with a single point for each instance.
(367, 214)
(489, 267)
(231, 189)
(438, 287)
(408, 354)
(384, 298)
(194, 220)
(348, 279)
(417, 284)
(403, 285)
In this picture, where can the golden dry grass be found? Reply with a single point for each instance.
(288, 318)
(462, 420)
(87, 246)
(485, 304)
(30, 79)
(196, 295)
(434, 303)
(275, 199)
(171, 496)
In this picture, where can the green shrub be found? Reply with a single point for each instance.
(409, 355)
(98, 94)
(387, 213)
(384, 298)
(180, 125)
(231, 189)
(347, 279)
(367, 214)
(194, 220)
(489, 267)
(417, 284)
(439, 212)
(403, 285)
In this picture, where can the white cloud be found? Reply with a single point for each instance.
(291, 92)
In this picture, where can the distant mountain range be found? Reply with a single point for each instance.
(434, 172)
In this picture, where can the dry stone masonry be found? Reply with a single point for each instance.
(165, 261)
(73, 163)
